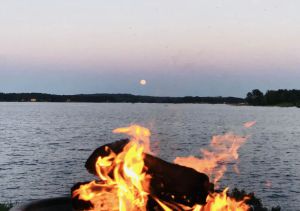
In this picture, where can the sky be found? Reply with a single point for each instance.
(181, 48)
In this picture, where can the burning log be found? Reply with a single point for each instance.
(116, 147)
(131, 178)
(169, 182)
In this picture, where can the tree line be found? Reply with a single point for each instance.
(281, 97)
(114, 98)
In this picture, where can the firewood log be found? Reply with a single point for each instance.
(169, 182)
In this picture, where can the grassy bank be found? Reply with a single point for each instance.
(5, 206)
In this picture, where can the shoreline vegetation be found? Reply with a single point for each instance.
(5, 206)
(280, 98)
(114, 98)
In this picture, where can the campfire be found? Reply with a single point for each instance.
(132, 178)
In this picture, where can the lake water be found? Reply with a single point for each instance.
(43, 146)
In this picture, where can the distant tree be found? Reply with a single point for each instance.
(256, 97)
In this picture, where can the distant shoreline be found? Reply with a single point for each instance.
(116, 98)
(272, 98)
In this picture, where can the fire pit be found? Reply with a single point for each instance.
(132, 178)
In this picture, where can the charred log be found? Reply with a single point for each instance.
(103, 151)
(169, 182)
(172, 182)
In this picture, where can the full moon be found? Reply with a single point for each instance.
(143, 82)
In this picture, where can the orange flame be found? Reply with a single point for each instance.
(138, 134)
(224, 149)
(129, 183)
(125, 186)
(220, 202)
(214, 202)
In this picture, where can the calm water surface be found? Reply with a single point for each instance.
(43, 146)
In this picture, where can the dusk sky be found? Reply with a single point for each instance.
(194, 47)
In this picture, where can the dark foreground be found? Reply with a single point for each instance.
(65, 204)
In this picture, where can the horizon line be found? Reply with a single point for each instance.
(219, 96)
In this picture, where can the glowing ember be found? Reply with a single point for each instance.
(125, 185)
(249, 124)
(215, 202)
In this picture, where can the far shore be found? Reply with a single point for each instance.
(278, 98)
(115, 98)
